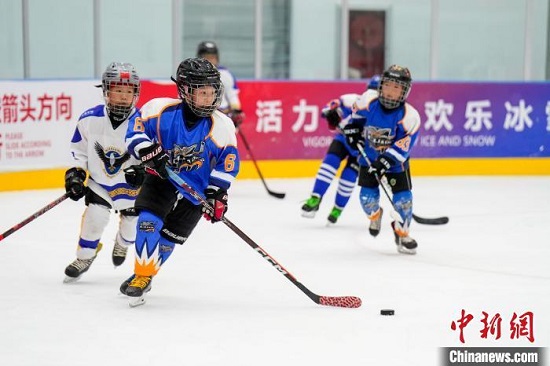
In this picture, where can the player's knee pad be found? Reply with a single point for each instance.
(94, 221)
(171, 236)
(370, 200)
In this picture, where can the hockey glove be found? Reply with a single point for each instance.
(333, 117)
(380, 165)
(74, 183)
(134, 175)
(353, 134)
(155, 158)
(217, 199)
(237, 116)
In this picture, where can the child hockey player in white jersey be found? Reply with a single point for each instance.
(230, 104)
(98, 148)
(199, 144)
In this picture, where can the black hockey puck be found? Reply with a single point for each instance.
(387, 312)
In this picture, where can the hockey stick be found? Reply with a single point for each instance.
(35, 215)
(422, 220)
(431, 221)
(340, 301)
(245, 142)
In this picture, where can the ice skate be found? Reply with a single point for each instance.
(334, 215)
(78, 267)
(136, 289)
(310, 208)
(376, 223)
(119, 254)
(405, 244)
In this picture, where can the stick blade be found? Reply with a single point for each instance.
(341, 301)
(277, 194)
(431, 221)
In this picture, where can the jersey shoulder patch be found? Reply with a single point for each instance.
(97, 111)
(364, 101)
(155, 106)
(223, 130)
(411, 119)
(349, 99)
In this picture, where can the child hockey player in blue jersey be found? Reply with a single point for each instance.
(385, 126)
(337, 110)
(198, 143)
(98, 148)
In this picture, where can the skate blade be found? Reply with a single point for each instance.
(309, 215)
(401, 249)
(68, 279)
(136, 301)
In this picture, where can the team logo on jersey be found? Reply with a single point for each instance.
(379, 138)
(111, 157)
(187, 157)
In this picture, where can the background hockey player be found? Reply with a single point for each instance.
(337, 112)
(199, 143)
(389, 126)
(230, 104)
(98, 148)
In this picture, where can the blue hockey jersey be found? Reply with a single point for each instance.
(203, 155)
(392, 132)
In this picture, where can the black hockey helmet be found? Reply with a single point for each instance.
(207, 48)
(400, 75)
(196, 73)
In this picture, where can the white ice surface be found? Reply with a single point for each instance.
(217, 302)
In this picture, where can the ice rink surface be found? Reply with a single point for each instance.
(217, 302)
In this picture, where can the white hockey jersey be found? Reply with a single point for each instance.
(230, 100)
(101, 150)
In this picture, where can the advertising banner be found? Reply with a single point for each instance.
(37, 121)
(283, 118)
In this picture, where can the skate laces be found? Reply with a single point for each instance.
(81, 264)
(119, 250)
(140, 281)
(336, 212)
(313, 201)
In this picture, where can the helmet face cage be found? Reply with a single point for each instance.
(194, 76)
(120, 74)
(401, 76)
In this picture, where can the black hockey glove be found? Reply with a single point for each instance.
(353, 134)
(237, 116)
(333, 117)
(217, 198)
(134, 175)
(74, 183)
(155, 158)
(382, 164)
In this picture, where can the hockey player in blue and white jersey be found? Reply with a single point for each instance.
(198, 142)
(337, 114)
(389, 126)
(98, 149)
(230, 104)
